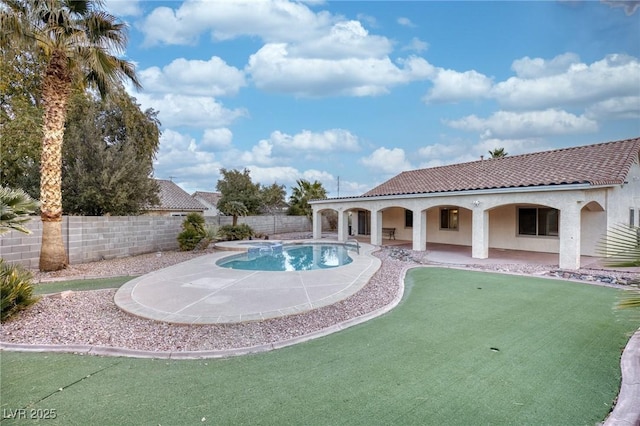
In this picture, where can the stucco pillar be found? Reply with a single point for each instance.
(480, 233)
(354, 223)
(570, 237)
(419, 230)
(376, 227)
(343, 225)
(317, 224)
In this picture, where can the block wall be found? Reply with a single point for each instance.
(91, 238)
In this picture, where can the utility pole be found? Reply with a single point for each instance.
(338, 186)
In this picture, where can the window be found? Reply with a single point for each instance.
(448, 218)
(541, 221)
(631, 218)
(408, 218)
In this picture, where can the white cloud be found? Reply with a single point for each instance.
(123, 8)
(630, 6)
(624, 107)
(581, 84)
(194, 77)
(269, 20)
(507, 124)
(180, 156)
(416, 45)
(259, 154)
(453, 86)
(405, 22)
(219, 138)
(346, 39)
(329, 140)
(288, 176)
(272, 69)
(441, 150)
(387, 161)
(197, 111)
(538, 67)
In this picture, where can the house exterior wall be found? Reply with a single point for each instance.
(623, 198)
(489, 217)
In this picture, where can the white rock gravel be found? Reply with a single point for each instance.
(92, 318)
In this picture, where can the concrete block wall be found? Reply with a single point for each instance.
(268, 225)
(91, 238)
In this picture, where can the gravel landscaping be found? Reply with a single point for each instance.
(92, 318)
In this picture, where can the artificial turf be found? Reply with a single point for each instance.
(462, 348)
(80, 285)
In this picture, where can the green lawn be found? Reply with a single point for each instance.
(555, 361)
(79, 285)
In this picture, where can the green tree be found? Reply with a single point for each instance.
(272, 198)
(20, 120)
(16, 206)
(108, 153)
(300, 196)
(77, 41)
(236, 186)
(498, 153)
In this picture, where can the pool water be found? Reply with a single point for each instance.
(289, 258)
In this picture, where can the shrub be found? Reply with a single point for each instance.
(16, 291)
(211, 233)
(236, 232)
(193, 231)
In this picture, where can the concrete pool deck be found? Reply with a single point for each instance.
(200, 292)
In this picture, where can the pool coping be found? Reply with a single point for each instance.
(199, 291)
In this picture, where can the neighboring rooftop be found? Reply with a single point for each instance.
(210, 197)
(600, 164)
(172, 197)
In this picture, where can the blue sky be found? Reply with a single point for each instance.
(352, 93)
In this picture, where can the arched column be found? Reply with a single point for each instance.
(354, 222)
(570, 237)
(317, 224)
(419, 230)
(480, 233)
(343, 225)
(376, 227)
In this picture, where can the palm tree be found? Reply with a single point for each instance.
(621, 248)
(300, 196)
(498, 153)
(15, 208)
(235, 209)
(78, 42)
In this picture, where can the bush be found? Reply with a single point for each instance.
(237, 232)
(16, 291)
(193, 231)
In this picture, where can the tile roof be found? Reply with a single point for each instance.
(600, 164)
(172, 197)
(210, 197)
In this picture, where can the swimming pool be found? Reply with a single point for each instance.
(297, 257)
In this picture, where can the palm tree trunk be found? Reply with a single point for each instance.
(55, 94)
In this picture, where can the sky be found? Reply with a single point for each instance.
(351, 93)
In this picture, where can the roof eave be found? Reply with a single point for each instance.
(539, 188)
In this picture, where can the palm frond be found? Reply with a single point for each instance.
(621, 246)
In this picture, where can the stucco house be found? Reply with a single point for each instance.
(561, 201)
(174, 201)
(209, 200)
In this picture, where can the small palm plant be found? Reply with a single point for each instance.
(16, 291)
(15, 208)
(621, 246)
